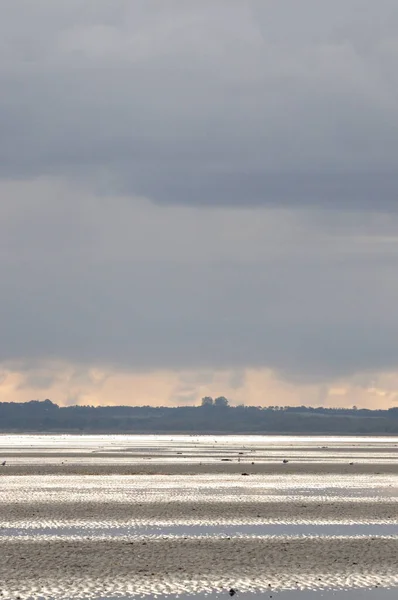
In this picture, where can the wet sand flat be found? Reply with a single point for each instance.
(182, 468)
(123, 516)
(268, 511)
(187, 564)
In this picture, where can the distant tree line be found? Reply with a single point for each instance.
(213, 415)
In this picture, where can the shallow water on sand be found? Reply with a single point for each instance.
(201, 530)
(127, 516)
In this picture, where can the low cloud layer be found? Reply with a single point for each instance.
(191, 188)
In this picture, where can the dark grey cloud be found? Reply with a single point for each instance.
(211, 103)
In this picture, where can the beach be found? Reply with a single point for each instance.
(105, 517)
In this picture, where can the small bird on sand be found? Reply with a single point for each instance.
(3, 464)
(285, 461)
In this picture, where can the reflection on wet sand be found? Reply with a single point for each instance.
(154, 531)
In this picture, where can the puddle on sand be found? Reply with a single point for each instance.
(225, 530)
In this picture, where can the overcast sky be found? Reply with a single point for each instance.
(199, 197)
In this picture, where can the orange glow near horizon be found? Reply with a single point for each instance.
(65, 385)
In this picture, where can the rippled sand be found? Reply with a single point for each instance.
(169, 565)
(171, 515)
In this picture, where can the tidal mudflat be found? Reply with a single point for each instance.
(129, 516)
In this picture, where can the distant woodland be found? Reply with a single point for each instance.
(213, 416)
